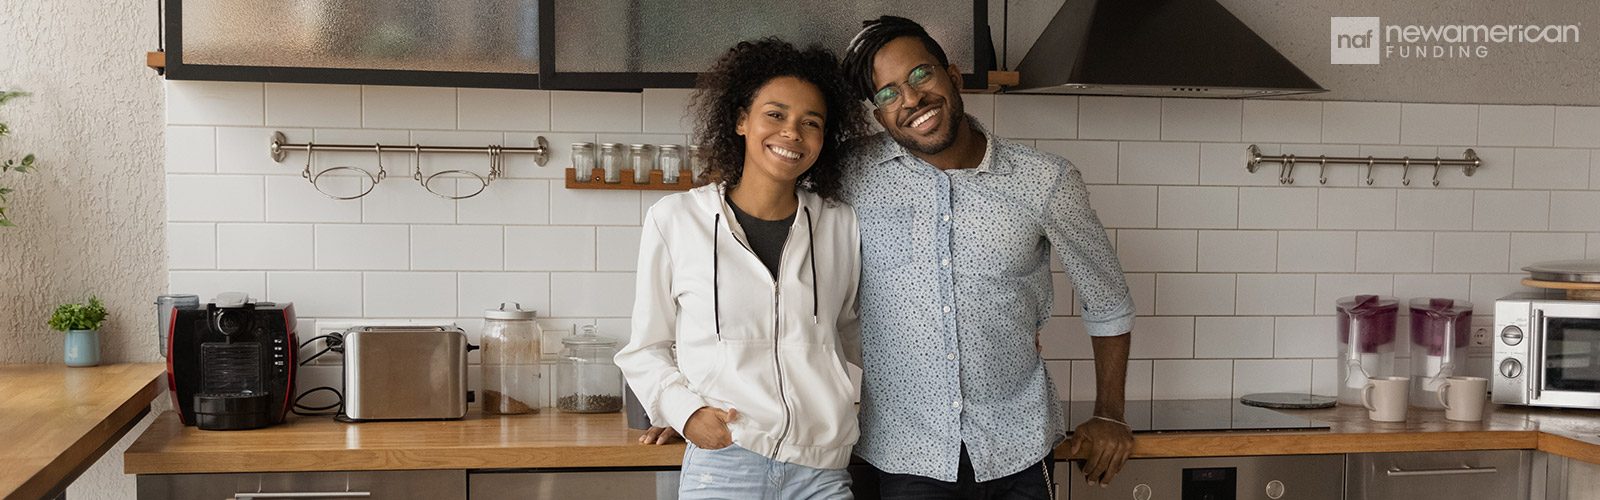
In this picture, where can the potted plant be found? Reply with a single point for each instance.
(10, 164)
(81, 322)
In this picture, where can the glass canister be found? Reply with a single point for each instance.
(510, 360)
(1366, 325)
(1440, 332)
(697, 162)
(587, 379)
(642, 158)
(612, 159)
(671, 163)
(582, 161)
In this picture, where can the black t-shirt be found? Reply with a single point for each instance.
(766, 236)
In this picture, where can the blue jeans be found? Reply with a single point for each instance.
(736, 473)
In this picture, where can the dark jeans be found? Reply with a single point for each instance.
(1029, 484)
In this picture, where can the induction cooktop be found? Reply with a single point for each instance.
(1195, 415)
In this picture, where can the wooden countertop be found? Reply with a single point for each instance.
(55, 421)
(554, 440)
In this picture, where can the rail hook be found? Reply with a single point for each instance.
(1322, 174)
(1369, 170)
(1436, 163)
(1286, 172)
(1405, 175)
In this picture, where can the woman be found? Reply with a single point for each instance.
(745, 309)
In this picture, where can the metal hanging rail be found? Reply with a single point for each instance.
(1469, 164)
(280, 148)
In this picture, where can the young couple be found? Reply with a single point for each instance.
(755, 290)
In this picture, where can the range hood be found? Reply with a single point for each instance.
(1159, 48)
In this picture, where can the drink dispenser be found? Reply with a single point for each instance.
(1366, 342)
(1440, 332)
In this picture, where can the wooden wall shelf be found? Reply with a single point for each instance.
(684, 182)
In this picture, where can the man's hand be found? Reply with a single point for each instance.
(659, 435)
(1108, 445)
(708, 428)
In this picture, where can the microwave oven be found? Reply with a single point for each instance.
(1547, 351)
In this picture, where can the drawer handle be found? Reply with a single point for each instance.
(304, 494)
(1397, 472)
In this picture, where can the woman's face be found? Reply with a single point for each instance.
(782, 129)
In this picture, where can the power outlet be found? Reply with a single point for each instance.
(1481, 336)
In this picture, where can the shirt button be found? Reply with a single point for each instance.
(944, 262)
(950, 356)
(946, 217)
(956, 404)
(946, 308)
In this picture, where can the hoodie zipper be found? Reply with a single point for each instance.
(777, 320)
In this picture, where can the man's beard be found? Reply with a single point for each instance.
(938, 143)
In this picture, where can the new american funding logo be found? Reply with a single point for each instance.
(1366, 40)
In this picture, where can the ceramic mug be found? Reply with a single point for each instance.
(1386, 398)
(1462, 397)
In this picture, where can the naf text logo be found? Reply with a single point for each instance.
(1355, 40)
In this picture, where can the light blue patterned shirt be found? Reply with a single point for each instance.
(955, 284)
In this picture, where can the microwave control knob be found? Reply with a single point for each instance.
(1274, 489)
(1511, 368)
(1511, 335)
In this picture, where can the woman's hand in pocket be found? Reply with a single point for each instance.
(707, 428)
(659, 435)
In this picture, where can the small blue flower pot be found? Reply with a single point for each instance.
(83, 347)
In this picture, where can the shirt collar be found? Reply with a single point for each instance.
(887, 149)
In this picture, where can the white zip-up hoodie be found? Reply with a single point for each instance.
(773, 350)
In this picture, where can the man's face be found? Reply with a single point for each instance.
(925, 118)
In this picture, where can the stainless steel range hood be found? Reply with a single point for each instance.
(1166, 48)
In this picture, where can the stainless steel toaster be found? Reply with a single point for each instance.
(405, 372)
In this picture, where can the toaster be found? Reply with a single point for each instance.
(405, 372)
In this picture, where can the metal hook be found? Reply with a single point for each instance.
(1369, 170)
(1405, 173)
(310, 150)
(1286, 174)
(416, 174)
(1322, 173)
(1436, 163)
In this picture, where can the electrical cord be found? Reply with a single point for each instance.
(335, 343)
(319, 411)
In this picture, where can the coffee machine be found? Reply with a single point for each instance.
(231, 365)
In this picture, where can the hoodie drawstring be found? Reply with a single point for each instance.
(811, 238)
(716, 290)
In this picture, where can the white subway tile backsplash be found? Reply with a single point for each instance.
(592, 294)
(1277, 208)
(1216, 120)
(980, 106)
(1195, 294)
(1577, 127)
(1143, 289)
(1121, 118)
(457, 248)
(1276, 294)
(1486, 288)
(1192, 379)
(385, 106)
(550, 248)
(1552, 168)
(1304, 337)
(1325, 377)
(666, 111)
(1163, 337)
(483, 291)
(1516, 125)
(409, 295)
(264, 246)
(1036, 116)
(1060, 373)
(1532, 248)
(1361, 122)
(222, 198)
(1198, 207)
(1158, 163)
(317, 294)
(1496, 171)
(1471, 252)
(207, 284)
(1434, 209)
(244, 151)
(503, 109)
(1593, 251)
(1360, 208)
(616, 248)
(507, 201)
(1494, 210)
(1232, 337)
(596, 111)
(1394, 252)
(191, 150)
(1282, 121)
(292, 199)
(1575, 211)
(1124, 206)
(1223, 164)
(1443, 286)
(1238, 251)
(192, 102)
(406, 202)
(1332, 287)
(1252, 376)
(596, 207)
(1095, 160)
(1138, 383)
(1316, 251)
(1064, 337)
(191, 246)
(1146, 250)
(313, 105)
(361, 247)
(1439, 124)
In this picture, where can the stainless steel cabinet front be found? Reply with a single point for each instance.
(387, 485)
(1453, 475)
(588, 485)
(1293, 477)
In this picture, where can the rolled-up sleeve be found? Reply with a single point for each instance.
(1086, 253)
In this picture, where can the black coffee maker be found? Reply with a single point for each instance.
(231, 365)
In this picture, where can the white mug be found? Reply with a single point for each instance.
(1465, 397)
(1386, 398)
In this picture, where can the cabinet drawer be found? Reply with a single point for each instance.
(387, 485)
(588, 485)
(1498, 474)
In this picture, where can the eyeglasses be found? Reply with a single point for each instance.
(919, 78)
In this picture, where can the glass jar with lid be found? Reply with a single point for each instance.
(697, 162)
(612, 159)
(671, 162)
(642, 157)
(583, 161)
(510, 360)
(587, 379)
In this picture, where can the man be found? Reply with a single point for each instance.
(956, 232)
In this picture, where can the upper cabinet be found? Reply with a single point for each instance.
(548, 44)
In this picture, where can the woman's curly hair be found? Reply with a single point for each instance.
(730, 87)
